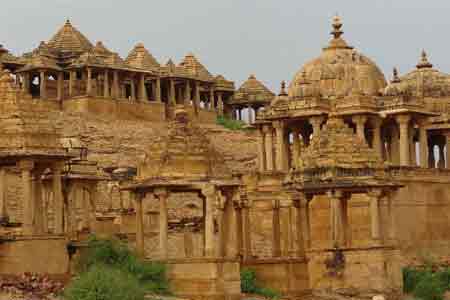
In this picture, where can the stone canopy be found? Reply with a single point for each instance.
(185, 153)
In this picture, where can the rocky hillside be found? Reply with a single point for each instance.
(117, 143)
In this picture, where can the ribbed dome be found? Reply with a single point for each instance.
(69, 40)
(424, 81)
(337, 71)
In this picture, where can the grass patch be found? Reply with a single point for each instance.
(250, 285)
(230, 123)
(426, 283)
(103, 259)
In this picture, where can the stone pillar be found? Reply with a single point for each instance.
(60, 88)
(375, 221)
(158, 90)
(209, 193)
(197, 96)
(447, 154)
(106, 85)
(337, 219)
(142, 90)
(187, 93)
(116, 88)
(412, 148)
(403, 122)
(220, 106)
(3, 189)
(172, 96)
(431, 157)
(377, 143)
(250, 114)
(212, 105)
(391, 216)
(231, 242)
(441, 162)
(280, 153)
(423, 140)
(162, 195)
(89, 82)
(133, 89)
(26, 166)
(268, 131)
(395, 146)
(140, 244)
(26, 83)
(296, 147)
(72, 77)
(276, 231)
(58, 200)
(38, 227)
(246, 230)
(261, 150)
(360, 122)
(43, 85)
(316, 122)
(221, 226)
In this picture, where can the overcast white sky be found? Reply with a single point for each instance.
(271, 38)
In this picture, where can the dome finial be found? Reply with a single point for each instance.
(395, 77)
(283, 89)
(424, 63)
(337, 25)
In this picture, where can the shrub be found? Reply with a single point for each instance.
(115, 254)
(249, 285)
(230, 124)
(430, 287)
(411, 278)
(104, 282)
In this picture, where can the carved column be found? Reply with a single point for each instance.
(296, 147)
(377, 142)
(162, 195)
(43, 85)
(3, 190)
(26, 166)
(58, 200)
(250, 114)
(38, 212)
(403, 122)
(116, 88)
(220, 106)
(187, 93)
(140, 244)
(172, 96)
(221, 220)
(423, 140)
(212, 105)
(142, 90)
(374, 198)
(60, 88)
(360, 122)
(158, 90)
(276, 231)
(280, 153)
(447, 156)
(197, 96)
(232, 244)
(261, 151)
(268, 131)
(337, 218)
(441, 162)
(246, 241)
(89, 82)
(106, 84)
(133, 89)
(209, 193)
(72, 77)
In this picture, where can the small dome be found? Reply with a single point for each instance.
(253, 90)
(337, 70)
(424, 81)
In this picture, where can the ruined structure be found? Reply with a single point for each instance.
(348, 181)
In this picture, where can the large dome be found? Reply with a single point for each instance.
(338, 70)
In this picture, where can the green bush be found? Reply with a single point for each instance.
(249, 285)
(411, 278)
(115, 254)
(429, 287)
(104, 282)
(230, 123)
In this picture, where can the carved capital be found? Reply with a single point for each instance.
(161, 193)
(403, 119)
(26, 165)
(359, 119)
(209, 191)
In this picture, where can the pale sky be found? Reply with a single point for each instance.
(270, 38)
